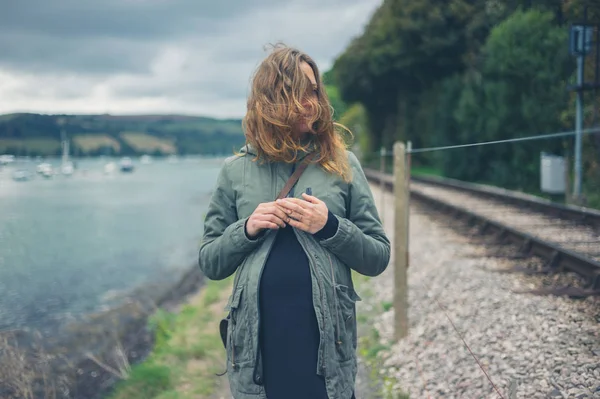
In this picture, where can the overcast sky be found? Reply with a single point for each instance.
(157, 56)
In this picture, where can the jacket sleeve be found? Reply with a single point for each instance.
(360, 241)
(224, 242)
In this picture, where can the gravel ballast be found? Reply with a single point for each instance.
(567, 234)
(530, 346)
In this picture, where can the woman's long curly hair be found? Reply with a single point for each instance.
(278, 101)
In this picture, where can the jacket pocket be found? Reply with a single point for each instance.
(237, 333)
(346, 337)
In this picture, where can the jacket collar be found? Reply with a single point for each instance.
(309, 142)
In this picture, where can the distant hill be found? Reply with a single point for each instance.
(36, 134)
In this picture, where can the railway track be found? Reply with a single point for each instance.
(567, 237)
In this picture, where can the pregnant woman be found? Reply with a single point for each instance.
(292, 326)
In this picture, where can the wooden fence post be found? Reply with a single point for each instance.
(401, 197)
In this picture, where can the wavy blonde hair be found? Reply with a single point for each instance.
(275, 106)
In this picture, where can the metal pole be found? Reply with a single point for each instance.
(408, 175)
(382, 183)
(597, 77)
(579, 122)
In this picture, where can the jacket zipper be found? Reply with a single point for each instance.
(233, 366)
(232, 317)
(311, 263)
(335, 304)
(258, 307)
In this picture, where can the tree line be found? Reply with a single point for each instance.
(91, 135)
(447, 72)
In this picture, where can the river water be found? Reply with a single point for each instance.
(74, 245)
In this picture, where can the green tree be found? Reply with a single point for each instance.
(521, 92)
(407, 49)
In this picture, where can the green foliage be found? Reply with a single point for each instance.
(338, 105)
(369, 348)
(355, 119)
(212, 293)
(407, 48)
(519, 93)
(386, 305)
(425, 171)
(162, 323)
(146, 381)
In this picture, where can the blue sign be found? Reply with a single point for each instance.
(580, 39)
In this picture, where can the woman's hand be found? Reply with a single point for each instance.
(309, 215)
(267, 215)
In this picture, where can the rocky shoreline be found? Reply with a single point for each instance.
(84, 360)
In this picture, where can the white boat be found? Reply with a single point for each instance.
(67, 168)
(21, 175)
(6, 159)
(45, 169)
(145, 159)
(126, 165)
(110, 168)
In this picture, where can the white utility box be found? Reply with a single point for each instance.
(552, 174)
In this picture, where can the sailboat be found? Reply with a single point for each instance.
(66, 168)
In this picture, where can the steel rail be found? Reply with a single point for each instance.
(558, 258)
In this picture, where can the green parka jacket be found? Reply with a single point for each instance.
(359, 244)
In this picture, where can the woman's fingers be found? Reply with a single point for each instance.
(270, 220)
(269, 217)
(265, 224)
(311, 199)
(299, 225)
(270, 208)
(275, 219)
(309, 215)
(295, 206)
(298, 213)
(279, 212)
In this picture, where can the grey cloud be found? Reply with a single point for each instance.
(185, 53)
(92, 37)
(143, 19)
(119, 18)
(112, 35)
(94, 55)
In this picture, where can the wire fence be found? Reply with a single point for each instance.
(547, 136)
(542, 164)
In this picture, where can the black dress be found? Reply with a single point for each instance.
(289, 333)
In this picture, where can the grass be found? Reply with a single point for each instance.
(92, 142)
(143, 142)
(370, 344)
(27, 374)
(386, 305)
(425, 171)
(41, 145)
(187, 353)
